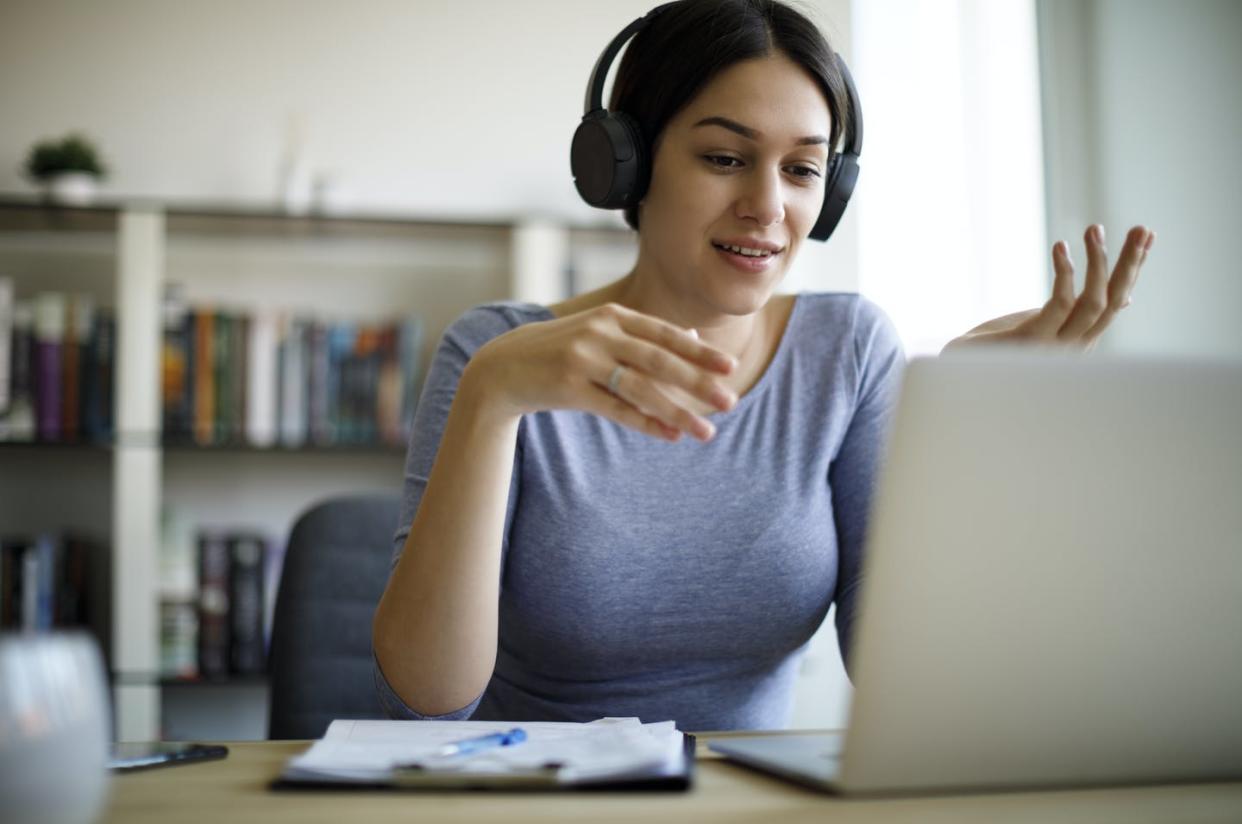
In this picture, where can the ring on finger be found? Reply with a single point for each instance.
(614, 378)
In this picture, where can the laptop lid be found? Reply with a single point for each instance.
(1053, 589)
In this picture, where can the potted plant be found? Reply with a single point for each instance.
(69, 169)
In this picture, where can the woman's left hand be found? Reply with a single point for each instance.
(1066, 320)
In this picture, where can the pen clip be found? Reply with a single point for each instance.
(470, 746)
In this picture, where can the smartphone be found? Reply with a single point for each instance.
(143, 755)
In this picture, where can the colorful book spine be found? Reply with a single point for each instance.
(204, 377)
(174, 366)
(239, 338)
(48, 380)
(7, 298)
(79, 316)
(221, 362)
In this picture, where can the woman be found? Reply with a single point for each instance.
(643, 500)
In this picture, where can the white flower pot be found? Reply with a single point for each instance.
(72, 188)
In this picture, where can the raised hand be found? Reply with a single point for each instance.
(1066, 319)
(635, 369)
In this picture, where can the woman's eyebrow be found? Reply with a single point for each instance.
(754, 134)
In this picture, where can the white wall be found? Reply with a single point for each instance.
(1142, 119)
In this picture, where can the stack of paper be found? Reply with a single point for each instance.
(379, 752)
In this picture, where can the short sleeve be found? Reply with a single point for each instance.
(459, 343)
(879, 361)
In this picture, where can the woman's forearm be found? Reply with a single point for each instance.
(434, 631)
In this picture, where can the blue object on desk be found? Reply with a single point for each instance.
(469, 746)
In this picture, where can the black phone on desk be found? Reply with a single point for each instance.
(143, 755)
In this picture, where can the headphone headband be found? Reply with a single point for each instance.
(595, 86)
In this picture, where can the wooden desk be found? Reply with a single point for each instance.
(235, 790)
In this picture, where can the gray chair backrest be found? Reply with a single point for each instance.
(335, 569)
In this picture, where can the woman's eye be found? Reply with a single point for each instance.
(804, 172)
(723, 161)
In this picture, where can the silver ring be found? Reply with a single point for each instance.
(614, 379)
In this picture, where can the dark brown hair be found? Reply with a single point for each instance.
(685, 46)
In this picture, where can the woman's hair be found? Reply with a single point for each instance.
(688, 44)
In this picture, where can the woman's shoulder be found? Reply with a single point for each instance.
(479, 324)
(842, 316)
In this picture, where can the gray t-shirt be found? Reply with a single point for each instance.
(678, 580)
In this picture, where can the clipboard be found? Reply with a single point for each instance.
(676, 775)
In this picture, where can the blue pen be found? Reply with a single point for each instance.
(469, 746)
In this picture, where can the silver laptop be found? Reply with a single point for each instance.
(1053, 584)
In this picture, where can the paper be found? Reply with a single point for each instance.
(369, 751)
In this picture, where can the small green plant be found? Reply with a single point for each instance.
(73, 153)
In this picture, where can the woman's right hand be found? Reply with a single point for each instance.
(567, 363)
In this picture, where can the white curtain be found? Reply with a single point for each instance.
(951, 195)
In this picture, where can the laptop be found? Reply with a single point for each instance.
(1052, 593)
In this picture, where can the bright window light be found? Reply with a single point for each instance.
(951, 197)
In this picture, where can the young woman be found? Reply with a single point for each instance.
(642, 501)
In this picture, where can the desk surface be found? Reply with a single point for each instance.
(235, 789)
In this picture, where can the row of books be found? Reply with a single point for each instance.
(51, 581)
(56, 367)
(216, 601)
(267, 378)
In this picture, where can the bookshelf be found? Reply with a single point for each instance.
(359, 266)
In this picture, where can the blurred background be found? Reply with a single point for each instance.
(318, 188)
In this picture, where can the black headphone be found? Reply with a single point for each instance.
(609, 158)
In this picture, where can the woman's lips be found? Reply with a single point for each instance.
(746, 263)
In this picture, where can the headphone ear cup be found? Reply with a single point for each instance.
(637, 172)
(842, 175)
(609, 161)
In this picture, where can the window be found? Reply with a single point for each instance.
(951, 193)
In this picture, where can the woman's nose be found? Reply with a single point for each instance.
(762, 198)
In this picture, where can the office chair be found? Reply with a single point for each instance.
(335, 569)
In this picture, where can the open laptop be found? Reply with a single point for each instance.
(1053, 586)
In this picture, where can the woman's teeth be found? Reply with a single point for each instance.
(742, 250)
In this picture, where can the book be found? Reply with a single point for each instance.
(239, 338)
(49, 339)
(268, 379)
(321, 378)
(97, 378)
(7, 292)
(46, 581)
(176, 412)
(213, 605)
(204, 377)
(178, 639)
(222, 357)
(18, 423)
(261, 380)
(293, 383)
(247, 653)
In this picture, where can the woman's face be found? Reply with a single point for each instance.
(741, 166)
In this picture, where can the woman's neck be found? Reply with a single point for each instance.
(741, 336)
